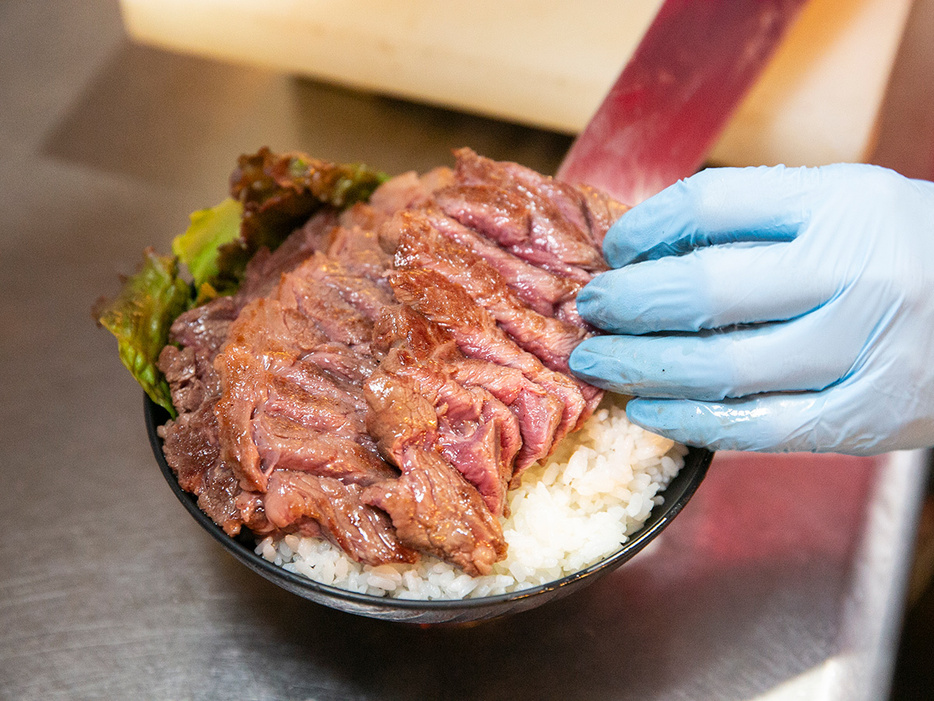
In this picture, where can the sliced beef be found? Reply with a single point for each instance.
(387, 373)
(288, 445)
(304, 394)
(341, 362)
(471, 441)
(191, 449)
(190, 442)
(190, 376)
(252, 512)
(550, 339)
(242, 377)
(601, 211)
(399, 415)
(360, 251)
(417, 402)
(560, 203)
(435, 510)
(567, 312)
(431, 345)
(541, 290)
(204, 328)
(365, 295)
(478, 336)
(401, 325)
(363, 217)
(323, 305)
(409, 190)
(500, 214)
(265, 267)
(277, 407)
(190, 446)
(539, 219)
(361, 531)
(264, 328)
(422, 246)
(538, 413)
(218, 497)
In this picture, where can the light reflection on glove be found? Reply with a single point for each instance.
(772, 309)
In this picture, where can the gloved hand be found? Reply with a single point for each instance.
(772, 309)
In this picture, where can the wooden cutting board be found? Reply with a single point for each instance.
(548, 63)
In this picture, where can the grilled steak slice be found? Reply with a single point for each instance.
(558, 207)
(421, 246)
(538, 218)
(601, 211)
(190, 446)
(304, 394)
(242, 377)
(478, 336)
(502, 215)
(190, 442)
(359, 250)
(324, 306)
(287, 445)
(190, 376)
(204, 329)
(276, 404)
(541, 290)
(471, 441)
(435, 510)
(409, 190)
(537, 412)
(366, 296)
(431, 345)
(361, 531)
(218, 498)
(415, 400)
(265, 268)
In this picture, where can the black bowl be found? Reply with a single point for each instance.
(677, 494)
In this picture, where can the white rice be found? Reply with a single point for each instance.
(571, 511)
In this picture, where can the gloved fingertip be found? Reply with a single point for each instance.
(678, 420)
(582, 359)
(591, 363)
(644, 413)
(592, 299)
(655, 416)
(618, 248)
(587, 293)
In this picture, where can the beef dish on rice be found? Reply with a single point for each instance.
(570, 511)
(377, 389)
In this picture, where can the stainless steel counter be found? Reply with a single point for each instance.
(783, 578)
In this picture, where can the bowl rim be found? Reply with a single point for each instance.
(658, 520)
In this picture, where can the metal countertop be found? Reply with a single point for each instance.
(783, 578)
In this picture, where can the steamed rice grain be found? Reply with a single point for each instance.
(572, 510)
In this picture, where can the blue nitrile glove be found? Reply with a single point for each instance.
(772, 309)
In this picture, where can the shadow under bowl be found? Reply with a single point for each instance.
(677, 494)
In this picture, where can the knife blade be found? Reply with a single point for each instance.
(673, 98)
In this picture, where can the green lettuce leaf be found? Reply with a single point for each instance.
(208, 230)
(280, 192)
(140, 318)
